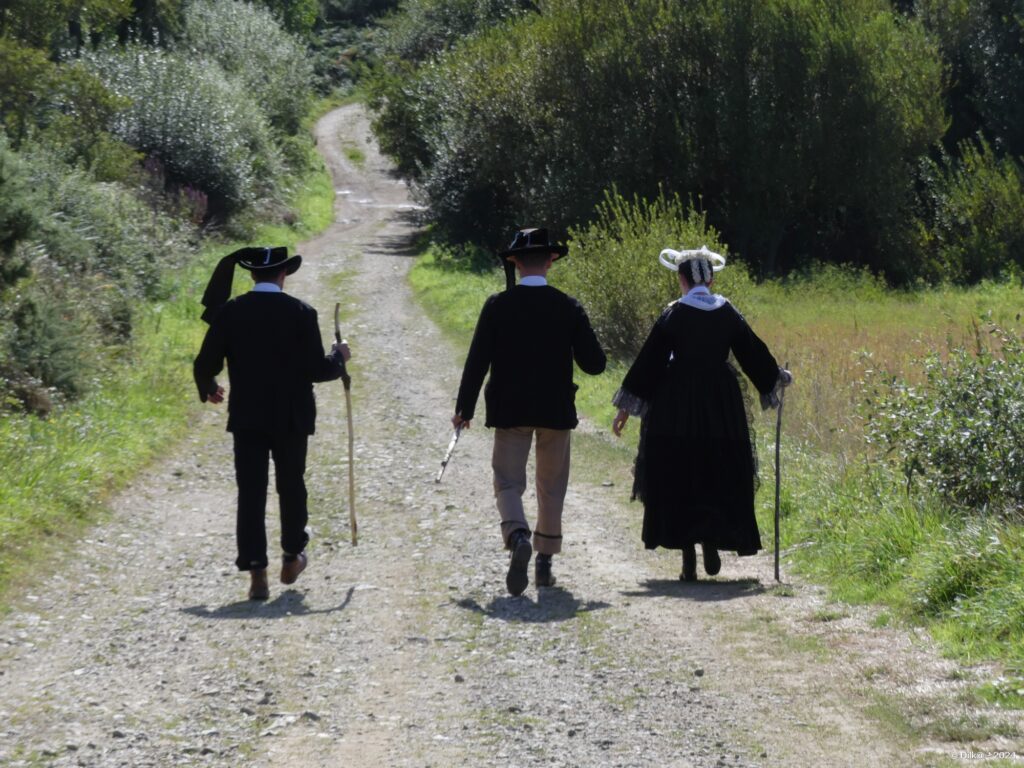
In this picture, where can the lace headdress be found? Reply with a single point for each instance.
(702, 262)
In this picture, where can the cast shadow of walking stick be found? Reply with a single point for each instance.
(701, 591)
(553, 604)
(291, 602)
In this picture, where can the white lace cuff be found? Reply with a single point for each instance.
(630, 403)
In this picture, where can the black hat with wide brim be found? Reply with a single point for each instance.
(267, 259)
(256, 260)
(536, 240)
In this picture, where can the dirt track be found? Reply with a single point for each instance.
(406, 651)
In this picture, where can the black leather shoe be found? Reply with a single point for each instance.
(689, 564)
(517, 579)
(712, 562)
(542, 571)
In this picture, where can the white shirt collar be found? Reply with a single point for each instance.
(267, 288)
(700, 297)
(534, 280)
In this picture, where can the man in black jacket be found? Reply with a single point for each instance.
(528, 337)
(272, 345)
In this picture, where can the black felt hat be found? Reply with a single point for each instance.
(254, 259)
(534, 240)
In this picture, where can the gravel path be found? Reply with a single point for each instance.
(141, 650)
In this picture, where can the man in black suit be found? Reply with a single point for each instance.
(272, 345)
(528, 337)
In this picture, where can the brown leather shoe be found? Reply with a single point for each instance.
(290, 569)
(258, 587)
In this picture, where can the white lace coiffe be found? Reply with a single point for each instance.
(673, 259)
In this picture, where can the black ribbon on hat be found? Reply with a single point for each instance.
(254, 259)
(218, 290)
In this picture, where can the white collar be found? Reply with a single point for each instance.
(700, 297)
(534, 280)
(267, 288)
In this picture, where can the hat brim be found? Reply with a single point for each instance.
(561, 250)
(290, 265)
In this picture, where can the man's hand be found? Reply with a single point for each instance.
(460, 423)
(217, 396)
(340, 352)
(620, 421)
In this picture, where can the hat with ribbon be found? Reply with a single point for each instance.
(524, 243)
(255, 259)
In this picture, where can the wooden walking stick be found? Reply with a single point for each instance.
(346, 380)
(778, 473)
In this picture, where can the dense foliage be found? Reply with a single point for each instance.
(810, 130)
(961, 431)
(129, 128)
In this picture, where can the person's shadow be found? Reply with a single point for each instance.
(291, 602)
(709, 591)
(552, 604)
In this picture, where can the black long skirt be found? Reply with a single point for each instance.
(696, 468)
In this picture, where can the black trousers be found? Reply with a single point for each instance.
(253, 451)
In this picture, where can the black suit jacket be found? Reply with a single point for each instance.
(528, 338)
(272, 345)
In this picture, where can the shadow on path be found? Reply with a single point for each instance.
(700, 591)
(288, 603)
(553, 604)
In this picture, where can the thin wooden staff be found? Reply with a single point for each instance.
(778, 472)
(346, 380)
(449, 452)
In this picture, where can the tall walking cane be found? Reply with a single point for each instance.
(346, 380)
(778, 473)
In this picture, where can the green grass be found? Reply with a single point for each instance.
(59, 471)
(858, 531)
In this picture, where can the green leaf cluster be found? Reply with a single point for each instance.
(961, 430)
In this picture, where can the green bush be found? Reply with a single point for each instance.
(613, 265)
(973, 228)
(17, 214)
(798, 122)
(426, 27)
(961, 430)
(266, 62)
(185, 112)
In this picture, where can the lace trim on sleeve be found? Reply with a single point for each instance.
(630, 403)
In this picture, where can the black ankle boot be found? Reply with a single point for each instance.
(517, 579)
(542, 571)
(712, 562)
(689, 564)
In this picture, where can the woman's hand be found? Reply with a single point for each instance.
(620, 421)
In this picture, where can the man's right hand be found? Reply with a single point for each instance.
(460, 423)
(216, 396)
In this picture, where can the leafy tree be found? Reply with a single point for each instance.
(268, 63)
(27, 77)
(983, 41)
(298, 16)
(973, 227)
(426, 27)
(797, 122)
(17, 214)
(42, 24)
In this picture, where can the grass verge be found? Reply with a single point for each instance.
(57, 472)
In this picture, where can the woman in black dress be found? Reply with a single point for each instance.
(696, 470)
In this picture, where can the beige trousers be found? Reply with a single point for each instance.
(511, 451)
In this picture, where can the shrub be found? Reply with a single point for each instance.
(961, 430)
(206, 131)
(798, 122)
(269, 64)
(613, 269)
(17, 214)
(973, 228)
